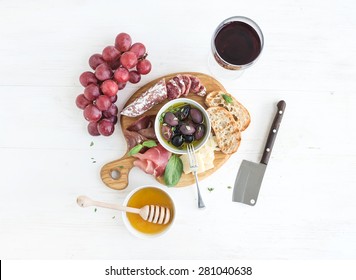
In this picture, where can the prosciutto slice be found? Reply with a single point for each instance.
(153, 161)
(133, 138)
(143, 122)
(140, 131)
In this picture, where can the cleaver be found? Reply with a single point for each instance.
(249, 178)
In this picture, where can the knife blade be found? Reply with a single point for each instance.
(250, 175)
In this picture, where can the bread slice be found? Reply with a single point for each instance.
(226, 130)
(239, 112)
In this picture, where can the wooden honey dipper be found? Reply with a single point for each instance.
(151, 213)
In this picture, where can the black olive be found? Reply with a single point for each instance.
(170, 119)
(183, 112)
(177, 140)
(188, 138)
(196, 115)
(200, 131)
(175, 130)
(187, 129)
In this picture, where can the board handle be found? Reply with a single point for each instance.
(281, 106)
(115, 174)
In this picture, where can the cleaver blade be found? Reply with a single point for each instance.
(250, 175)
(248, 182)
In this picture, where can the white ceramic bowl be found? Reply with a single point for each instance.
(164, 143)
(135, 231)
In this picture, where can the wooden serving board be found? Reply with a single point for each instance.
(115, 174)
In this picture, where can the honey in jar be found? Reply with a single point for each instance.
(149, 196)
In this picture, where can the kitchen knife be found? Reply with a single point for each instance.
(249, 178)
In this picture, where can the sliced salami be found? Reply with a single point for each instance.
(195, 84)
(179, 80)
(187, 82)
(173, 90)
(154, 95)
(202, 90)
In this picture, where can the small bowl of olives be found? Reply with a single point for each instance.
(181, 122)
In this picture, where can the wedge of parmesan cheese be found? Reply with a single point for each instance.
(205, 157)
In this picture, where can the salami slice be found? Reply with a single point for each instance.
(173, 90)
(187, 82)
(197, 86)
(179, 80)
(154, 95)
(202, 90)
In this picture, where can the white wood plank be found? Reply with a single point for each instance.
(306, 207)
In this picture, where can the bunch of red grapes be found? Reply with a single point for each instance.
(117, 65)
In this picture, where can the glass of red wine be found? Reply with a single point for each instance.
(236, 45)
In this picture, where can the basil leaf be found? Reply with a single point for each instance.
(227, 98)
(149, 143)
(173, 172)
(135, 150)
(161, 117)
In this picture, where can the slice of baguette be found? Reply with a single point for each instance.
(239, 112)
(226, 130)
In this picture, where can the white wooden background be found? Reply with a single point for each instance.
(306, 207)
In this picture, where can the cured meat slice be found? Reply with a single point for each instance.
(146, 165)
(153, 161)
(179, 81)
(187, 82)
(154, 95)
(173, 90)
(143, 122)
(201, 91)
(149, 133)
(140, 131)
(133, 138)
(178, 87)
(197, 86)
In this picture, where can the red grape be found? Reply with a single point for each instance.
(113, 69)
(95, 60)
(121, 75)
(93, 129)
(92, 113)
(121, 85)
(128, 60)
(144, 66)
(81, 101)
(103, 102)
(103, 72)
(87, 78)
(110, 53)
(115, 64)
(91, 92)
(139, 49)
(106, 127)
(113, 119)
(135, 77)
(112, 111)
(123, 42)
(109, 88)
(113, 99)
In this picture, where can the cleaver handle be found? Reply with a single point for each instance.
(273, 131)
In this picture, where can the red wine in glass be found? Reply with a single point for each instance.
(236, 44)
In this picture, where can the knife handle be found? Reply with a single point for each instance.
(273, 132)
